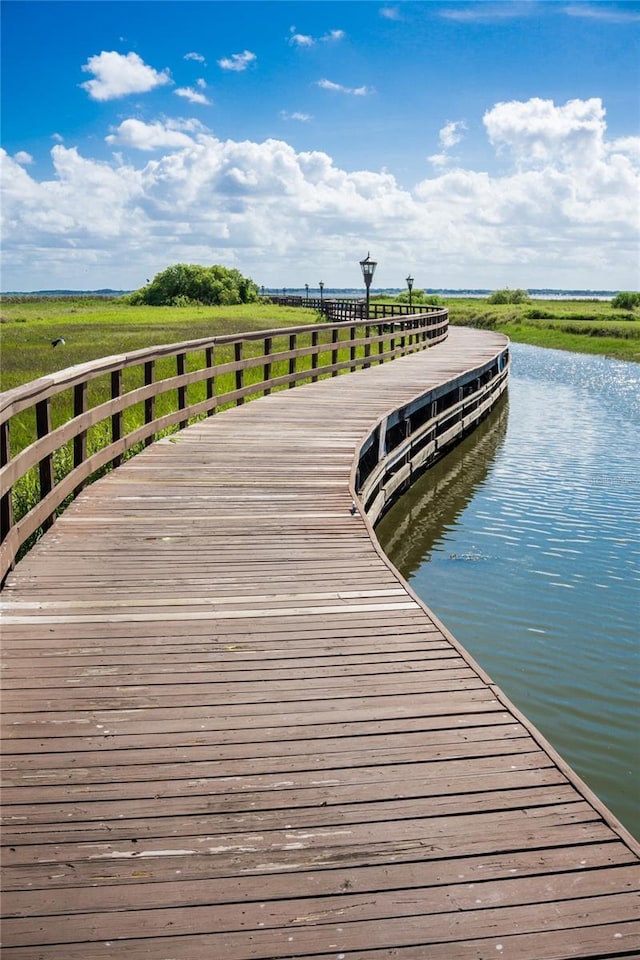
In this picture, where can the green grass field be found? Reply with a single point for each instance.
(99, 328)
(583, 326)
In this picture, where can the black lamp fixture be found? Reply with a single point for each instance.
(368, 267)
(321, 285)
(410, 285)
(306, 287)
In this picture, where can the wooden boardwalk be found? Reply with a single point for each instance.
(232, 731)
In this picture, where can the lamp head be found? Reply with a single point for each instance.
(368, 267)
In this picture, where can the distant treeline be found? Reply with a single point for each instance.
(14, 296)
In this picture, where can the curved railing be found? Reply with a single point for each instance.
(353, 309)
(62, 431)
(409, 440)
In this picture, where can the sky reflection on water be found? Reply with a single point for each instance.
(525, 541)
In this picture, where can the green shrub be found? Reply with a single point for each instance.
(626, 300)
(187, 284)
(420, 296)
(508, 296)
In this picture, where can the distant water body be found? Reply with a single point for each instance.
(525, 541)
(536, 294)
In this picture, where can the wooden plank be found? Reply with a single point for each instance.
(472, 898)
(412, 875)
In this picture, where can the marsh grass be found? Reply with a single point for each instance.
(582, 326)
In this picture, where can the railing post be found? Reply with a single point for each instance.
(116, 418)
(314, 355)
(43, 427)
(211, 386)
(367, 346)
(352, 348)
(237, 348)
(334, 352)
(266, 372)
(181, 369)
(6, 502)
(293, 339)
(80, 441)
(150, 402)
(381, 342)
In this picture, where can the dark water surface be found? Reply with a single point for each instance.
(525, 541)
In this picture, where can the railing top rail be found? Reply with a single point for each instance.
(16, 399)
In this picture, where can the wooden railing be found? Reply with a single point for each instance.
(350, 309)
(61, 432)
(408, 441)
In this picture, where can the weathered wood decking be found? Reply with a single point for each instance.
(233, 732)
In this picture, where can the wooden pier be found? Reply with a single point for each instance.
(232, 731)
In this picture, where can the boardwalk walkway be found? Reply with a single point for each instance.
(233, 732)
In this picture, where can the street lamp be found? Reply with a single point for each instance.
(368, 267)
(321, 285)
(410, 285)
(306, 287)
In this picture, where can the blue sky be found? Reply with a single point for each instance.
(472, 144)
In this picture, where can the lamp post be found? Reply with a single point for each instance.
(368, 267)
(321, 285)
(306, 287)
(410, 285)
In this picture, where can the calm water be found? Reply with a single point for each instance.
(525, 541)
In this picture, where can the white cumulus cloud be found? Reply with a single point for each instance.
(563, 211)
(237, 61)
(439, 159)
(339, 88)
(193, 96)
(538, 132)
(452, 133)
(117, 75)
(147, 136)
(306, 40)
(296, 115)
(301, 40)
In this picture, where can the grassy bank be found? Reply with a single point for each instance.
(583, 326)
(99, 328)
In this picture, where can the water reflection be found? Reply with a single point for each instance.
(525, 541)
(432, 504)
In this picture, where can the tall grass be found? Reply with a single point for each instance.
(590, 326)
